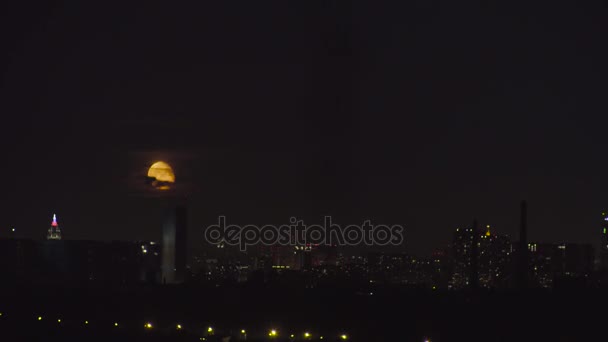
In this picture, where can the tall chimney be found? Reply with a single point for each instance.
(523, 247)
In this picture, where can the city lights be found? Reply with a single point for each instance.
(304, 170)
(272, 333)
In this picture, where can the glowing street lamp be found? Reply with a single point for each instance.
(307, 335)
(272, 333)
(344, 337)
(179, 327)
(210, 331)
(148, 325)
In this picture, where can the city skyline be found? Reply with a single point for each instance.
(53, 232)
(411, 116)
(318, 170)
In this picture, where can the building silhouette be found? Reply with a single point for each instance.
(603, 250)
(80, 263)
(523, 264)
(552, 264)
(174, 245)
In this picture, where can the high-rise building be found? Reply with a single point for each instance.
(54, 233)
(550, 262)
(174, 246)
(493, 258)
(604, 243)
(461, 258)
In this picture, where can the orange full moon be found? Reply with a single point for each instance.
(162, 174)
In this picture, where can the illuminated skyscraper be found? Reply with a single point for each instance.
(461, 258)
(492, 257)
(54, 233)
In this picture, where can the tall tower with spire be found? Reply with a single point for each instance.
(54, 233)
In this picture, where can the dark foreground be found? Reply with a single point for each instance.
(33, 314)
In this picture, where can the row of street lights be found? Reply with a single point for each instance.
(273, 333)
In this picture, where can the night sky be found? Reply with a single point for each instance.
(421, 113)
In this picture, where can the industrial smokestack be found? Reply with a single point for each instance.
(523, 229)
(523, 247)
